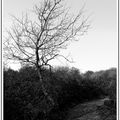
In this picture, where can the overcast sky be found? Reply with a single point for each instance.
(96, 50)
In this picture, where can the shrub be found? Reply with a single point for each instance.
(23, 97)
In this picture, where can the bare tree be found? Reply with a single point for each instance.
(36, 42)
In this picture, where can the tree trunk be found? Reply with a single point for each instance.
(44, 89)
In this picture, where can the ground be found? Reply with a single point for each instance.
(94, 110)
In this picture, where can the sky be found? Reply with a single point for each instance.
(96, 50)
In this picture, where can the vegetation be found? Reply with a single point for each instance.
(36, 91)
(24, 98)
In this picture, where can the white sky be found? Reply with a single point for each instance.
(96, 50)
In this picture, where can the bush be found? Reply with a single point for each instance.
(24, 99)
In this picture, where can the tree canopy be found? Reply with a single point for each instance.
(37, 41)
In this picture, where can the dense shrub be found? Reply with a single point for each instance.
(23, 97)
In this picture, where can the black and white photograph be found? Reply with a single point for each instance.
(60, 60)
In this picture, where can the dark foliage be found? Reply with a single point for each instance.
(24, 100)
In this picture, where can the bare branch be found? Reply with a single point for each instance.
(40, 41)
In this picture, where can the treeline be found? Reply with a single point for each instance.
(24, 100)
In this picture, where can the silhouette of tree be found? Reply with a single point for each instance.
(36, 42)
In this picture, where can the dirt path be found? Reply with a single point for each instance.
(93, 110)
